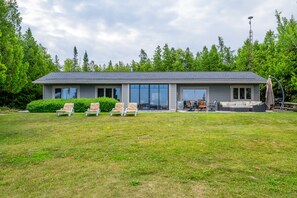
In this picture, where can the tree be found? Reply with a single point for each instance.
(85, 66)
(68, 65)
(57, 63)
(226, 56)
(167, 59)
(12, 67)
(109, 67)
(214, 59)
(75, 66)
(242, 59)
(157, 59)
(189, 60)
(145, 62)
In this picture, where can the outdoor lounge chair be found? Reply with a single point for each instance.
(119, 108)
(67, 109)
(202, 105)
(132, 108)
(94, 108)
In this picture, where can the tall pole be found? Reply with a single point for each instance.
(250, 61)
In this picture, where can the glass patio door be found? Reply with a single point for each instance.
(194, 94)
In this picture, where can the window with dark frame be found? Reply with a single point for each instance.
(150, 96)
(66, 93)
(110, 93)
(241, 93)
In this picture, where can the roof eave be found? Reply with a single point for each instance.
(141, 82)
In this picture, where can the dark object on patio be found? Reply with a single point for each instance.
(201, 105)
(242, 106)
(212, 106)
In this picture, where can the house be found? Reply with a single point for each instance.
(154, 90)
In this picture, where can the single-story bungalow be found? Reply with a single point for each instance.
(154, 90)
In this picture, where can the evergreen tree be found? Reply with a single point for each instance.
(157, 59)
(85, 66)
(167, 59)
(12, 67)
(214, 59)
(57, 63)
(75, 63)
(144, 63)
(205, 62)
(189, 60)
(109, 67)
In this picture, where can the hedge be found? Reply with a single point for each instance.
(80, 104)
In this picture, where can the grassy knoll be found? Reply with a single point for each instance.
(152, 155)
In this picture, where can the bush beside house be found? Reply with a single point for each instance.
(80, 104)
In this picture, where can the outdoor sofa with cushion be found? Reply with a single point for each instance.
(94, 109)
(118, 109)
(67, 109)
(242, 106)
(132, 108)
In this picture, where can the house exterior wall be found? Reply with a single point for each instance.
(219, 93)
(87, 91)
(47, 92)
(172, 97)
(257, 92)
(125, 94)
(215, 92)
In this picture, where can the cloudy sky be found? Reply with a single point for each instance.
(116, 29)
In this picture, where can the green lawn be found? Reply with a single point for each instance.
(152, 155)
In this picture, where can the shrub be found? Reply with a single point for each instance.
(80, 104)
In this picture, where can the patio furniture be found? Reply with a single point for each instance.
(212, 106)
(67, 109)
(118, 109)
(242, 106)
(94, 109)
(187, 104)
(202, 105)
(132, 108)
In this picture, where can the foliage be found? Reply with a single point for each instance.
(22, 60)
(80, 104)
(12, 66)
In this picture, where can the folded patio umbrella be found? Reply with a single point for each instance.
(269, 96)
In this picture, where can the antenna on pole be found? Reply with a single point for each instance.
(251, 31)
(250, 63)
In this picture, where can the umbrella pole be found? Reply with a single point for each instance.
(283, 92)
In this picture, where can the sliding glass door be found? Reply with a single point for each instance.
(194, 94)
(150, 96)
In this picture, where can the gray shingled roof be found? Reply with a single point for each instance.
(150, 77)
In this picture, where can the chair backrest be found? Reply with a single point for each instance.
(132, 106)
(119, 106)
(68, 106)
(95, 106)
(188, 103)
(201, 102)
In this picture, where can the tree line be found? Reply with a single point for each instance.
(276, 55)
(23, 59)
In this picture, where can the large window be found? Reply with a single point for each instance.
(241, 93)
(66, 93)
(114, 92)
(191, 94)
(150, 96)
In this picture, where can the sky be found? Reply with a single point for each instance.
(116, 30)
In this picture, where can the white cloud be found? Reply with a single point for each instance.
(117, 30)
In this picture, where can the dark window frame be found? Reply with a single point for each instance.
(149, 94)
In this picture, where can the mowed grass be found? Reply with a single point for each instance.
(152, 155)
